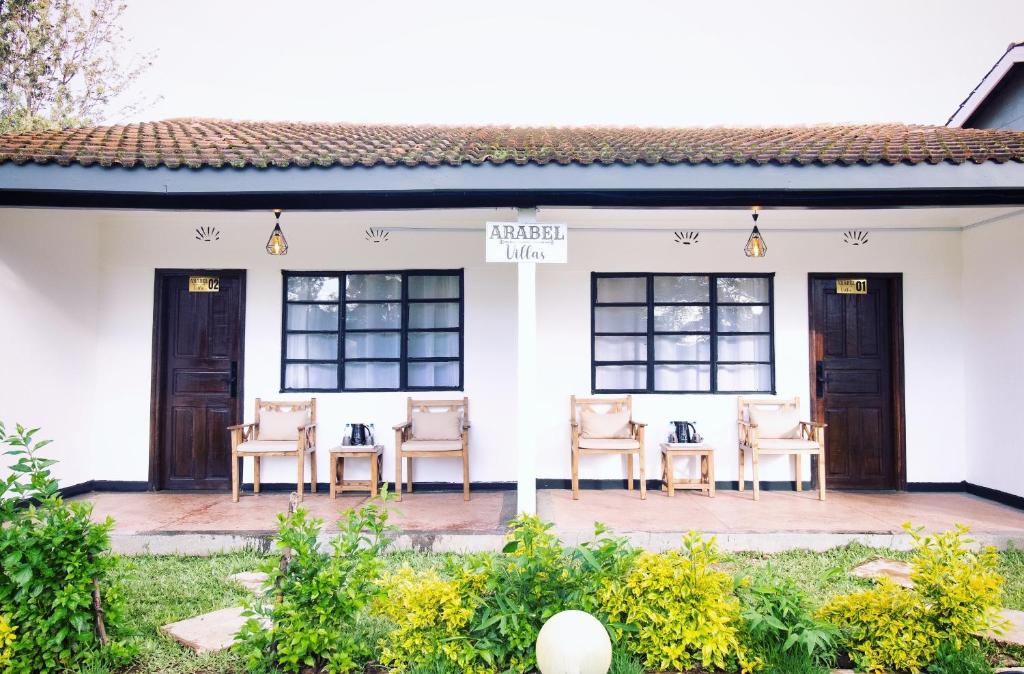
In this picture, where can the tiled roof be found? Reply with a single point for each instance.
(197, 143)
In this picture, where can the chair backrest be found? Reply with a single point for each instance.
(287, 406)
(599, 405)
(743, 405)
(438, 406)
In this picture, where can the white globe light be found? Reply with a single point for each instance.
(573, 642)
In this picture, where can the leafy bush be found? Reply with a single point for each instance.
(679, 611)
(969, 659)
(52, 556)
(431, 617)
(956, 593)
(319, 595)
(781, 628)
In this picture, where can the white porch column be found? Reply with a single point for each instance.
(526, 379)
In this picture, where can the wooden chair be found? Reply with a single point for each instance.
(810, 441)
(282, 428)
(630, 446)
(409, 447)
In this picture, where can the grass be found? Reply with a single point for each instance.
(163, 589)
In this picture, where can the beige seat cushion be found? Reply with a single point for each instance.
(282, 425)
(609, 443)
(611, 425)
(776, 422)
(437, 426)
(432, 446)
(258, 446)
(787, 443)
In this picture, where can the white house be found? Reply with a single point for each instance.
(385, 292)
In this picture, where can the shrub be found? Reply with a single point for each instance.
(956, 593)
(781, 628)
(431, 619)
(678, 610)
(319, 595)
(533, 580)
(52, 557)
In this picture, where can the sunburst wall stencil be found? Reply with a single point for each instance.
(207, 234)
(687, 238)
(856, 237)
(376, 235)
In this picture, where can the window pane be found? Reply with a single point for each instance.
(433, 287)
(620, 319)
(373, 345)
(373, 316)
(740, 347)
(625, 289)
(620, 348)
(433, 344)
(681, 289)
(669, 319)
(322, 288)
(682, 347)
(371, 375)
(743, 289)
(312, 316)
(313, 347)
(743, 319)
(434, 374)
(433, 315)
(373, 287)
(744, 378)
(682, 377)
(622, 377)
(310, 375)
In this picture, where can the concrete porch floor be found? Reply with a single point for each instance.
(203, 523)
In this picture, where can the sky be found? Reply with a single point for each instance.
(569, 62)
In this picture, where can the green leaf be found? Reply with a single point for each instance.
(510, 547)
(23, 575)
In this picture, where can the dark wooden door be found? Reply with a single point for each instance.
(852, 383)
(198, 378)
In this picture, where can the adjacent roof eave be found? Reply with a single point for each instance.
(510, 185)
(1013, 55)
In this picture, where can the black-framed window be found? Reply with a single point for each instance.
(373, 330)
(682, 333)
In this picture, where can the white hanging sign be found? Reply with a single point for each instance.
(526, 242)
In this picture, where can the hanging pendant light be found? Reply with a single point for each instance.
(755, 244)
(277, 244)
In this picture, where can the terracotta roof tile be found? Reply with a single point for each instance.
(197, 143)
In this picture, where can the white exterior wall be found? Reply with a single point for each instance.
(993, 289)
(82, 285)
(48, 305)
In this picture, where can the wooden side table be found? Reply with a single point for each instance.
(706, 481)
(339, 484)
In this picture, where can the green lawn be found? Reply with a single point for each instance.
(163, 589)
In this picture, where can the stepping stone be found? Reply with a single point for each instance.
(250, 580)
(893, 569)
(1014, 632)
(209, 632)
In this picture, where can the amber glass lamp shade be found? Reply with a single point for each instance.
(755, 244)
(277, 244)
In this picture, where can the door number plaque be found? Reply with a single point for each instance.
(204, 284)
(852, 286)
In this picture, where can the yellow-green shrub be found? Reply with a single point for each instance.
(431, 615)
(956, 593)
(6, 639)
(675, 611)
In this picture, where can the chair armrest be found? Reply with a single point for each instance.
(238, 427)
(403, 426)
(638, 423)
(465, 425)
(746, 424)
(306, 427)
(813, 424)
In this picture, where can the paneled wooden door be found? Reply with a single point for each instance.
(856, 380)
(197, 377)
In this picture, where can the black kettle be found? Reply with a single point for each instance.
(361, 434)
(686, 432)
